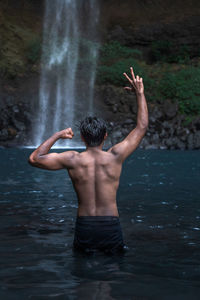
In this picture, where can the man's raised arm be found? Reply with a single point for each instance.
(40, 158)
(131, 142)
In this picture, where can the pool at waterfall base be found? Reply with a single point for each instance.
(159, 208)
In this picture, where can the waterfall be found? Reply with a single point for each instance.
(68, 64)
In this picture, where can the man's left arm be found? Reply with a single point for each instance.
(40, 158)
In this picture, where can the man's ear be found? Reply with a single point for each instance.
(82, 138)
(105, 136)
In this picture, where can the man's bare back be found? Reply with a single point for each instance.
(95, 173)
(95, 177)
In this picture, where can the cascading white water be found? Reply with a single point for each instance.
(69, 55)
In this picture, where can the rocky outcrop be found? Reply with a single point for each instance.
(168, 129)
(17, 110)
(15, 123)
(175, 38)
(136, 24)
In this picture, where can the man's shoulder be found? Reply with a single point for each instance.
(70, 153)
(110, 155)
(69, 157)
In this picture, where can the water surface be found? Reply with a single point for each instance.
(159, 206)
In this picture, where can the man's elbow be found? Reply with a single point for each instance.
(143, 126)
(32, 161)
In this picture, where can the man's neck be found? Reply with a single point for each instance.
(94, 149)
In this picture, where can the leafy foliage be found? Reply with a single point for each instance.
(114, 51)
(114, 74)
(183, 86)
(166, 51)
(116, 59)
(34, 50)
(162, 80)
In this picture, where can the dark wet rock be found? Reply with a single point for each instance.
(174, 143)
(163, 133)
(168, 142)
(4, 135)
(19, 125)
(190, 141)
(151, 130)
(125, 131)
(15, 121)
(152, 146)
(133, 106)
(152, 119)
(170, 109)
(179, 120)
(195, 124)
(166, 125)
(111, 124)
(129, 122)
(144, 143)
(156, 113)
(116, 135)
(166, 130)
(184, 133)
(180, 145)
(118, 34)
(115, 108)
(155, 138)
(196, 140)
(171, 130)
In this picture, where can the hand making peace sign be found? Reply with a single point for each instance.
(136, 83)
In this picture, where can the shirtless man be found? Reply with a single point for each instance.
(95, 175)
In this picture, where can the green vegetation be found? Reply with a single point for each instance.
(114, 51)
(164, 80)
(182, 86)
(116, 59)
(20, 47)
(114, 74)
(33, 50)
(166, 51)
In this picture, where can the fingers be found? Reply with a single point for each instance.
(132, 73)
(69, 131)
(128, 78)
(134, 79)
(136, 82)
(128, 88)
(138, 79)
(69, 136)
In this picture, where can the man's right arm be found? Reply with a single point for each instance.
(131, 142)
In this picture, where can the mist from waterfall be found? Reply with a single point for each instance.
(69, 56)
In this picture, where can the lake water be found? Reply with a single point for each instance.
(159, 206)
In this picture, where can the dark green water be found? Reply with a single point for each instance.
(159, 206)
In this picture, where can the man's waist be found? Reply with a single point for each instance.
(103, 211)
(97, 218)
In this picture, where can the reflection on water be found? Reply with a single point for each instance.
(159, 210)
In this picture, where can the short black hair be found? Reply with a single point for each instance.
(93, 130)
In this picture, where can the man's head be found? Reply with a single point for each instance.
(93, 131)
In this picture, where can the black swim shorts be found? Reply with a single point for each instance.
(101, 233)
